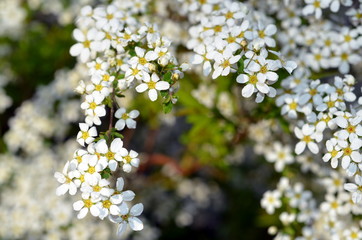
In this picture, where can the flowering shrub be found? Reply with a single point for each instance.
(211, 88)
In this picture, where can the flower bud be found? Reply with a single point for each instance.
(152, 67)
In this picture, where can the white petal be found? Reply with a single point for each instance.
(135, 224)
(120, 124)
(299, 148)
(121, 228)
(137, 209)
(152, 94)
(248, 90)
(62, 189)
(116, 145)
(78, 205)
(128, 195)
(162, 85)
(313, 147)
(142, 87)
(82, 213)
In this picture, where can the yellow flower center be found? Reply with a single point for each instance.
(97, 188)
(264, 69)
(328, 42)
(334, 153)
(229, 15)
(230, 39)
(318, 57)
(261, 34)
(344, 56)
(351, 129)
(98, 66)
(124, 116)
(79, 159)
(67, 179)
(347, 38)
(87, 203)
(313, 92)
(354, 235)
(143, 61)
(91, 170)
(317, 4)
(347, 151)
(85, 135)
(105, 77)
(127, 36)
(92, 105)
(307, 139)
(253, 79)
(128, 159)
(293, 105)
(135, 71)
(281, 155)
(218, 28)
(106, 204)
(98, 87)
(151, 85)
(110, 155)
(225, 64)
(86, 44)
(109, 16)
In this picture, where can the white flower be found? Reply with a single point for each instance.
(88, 43)
(91, 167)
(152, 83)
(99, 86)
(355, 189)
(291, 107)
(126, 119)
(315, 6)
(93, 105)
(333, 153)
(280, 155)
(351, 128)
(67, 179)
(111, 155)
(141, 59)
(86, 134)
(97, 66)
(78, 156)
(129, 217)
(271, 201)
(130, 159)
(97, 188)
(253, 85)
(85, 205)
(307, 137)
(351, 155)
(224, 63)
(119, 195)
(203, 54)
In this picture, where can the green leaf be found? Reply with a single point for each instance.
(118, 135)
(168, 77)
(167, 107)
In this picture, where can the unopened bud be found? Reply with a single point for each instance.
(152, 67)
(175, 76)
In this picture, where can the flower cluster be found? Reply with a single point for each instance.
(122, 54)
(233, 39)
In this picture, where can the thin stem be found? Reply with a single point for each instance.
(250, 61)
(111, 113)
